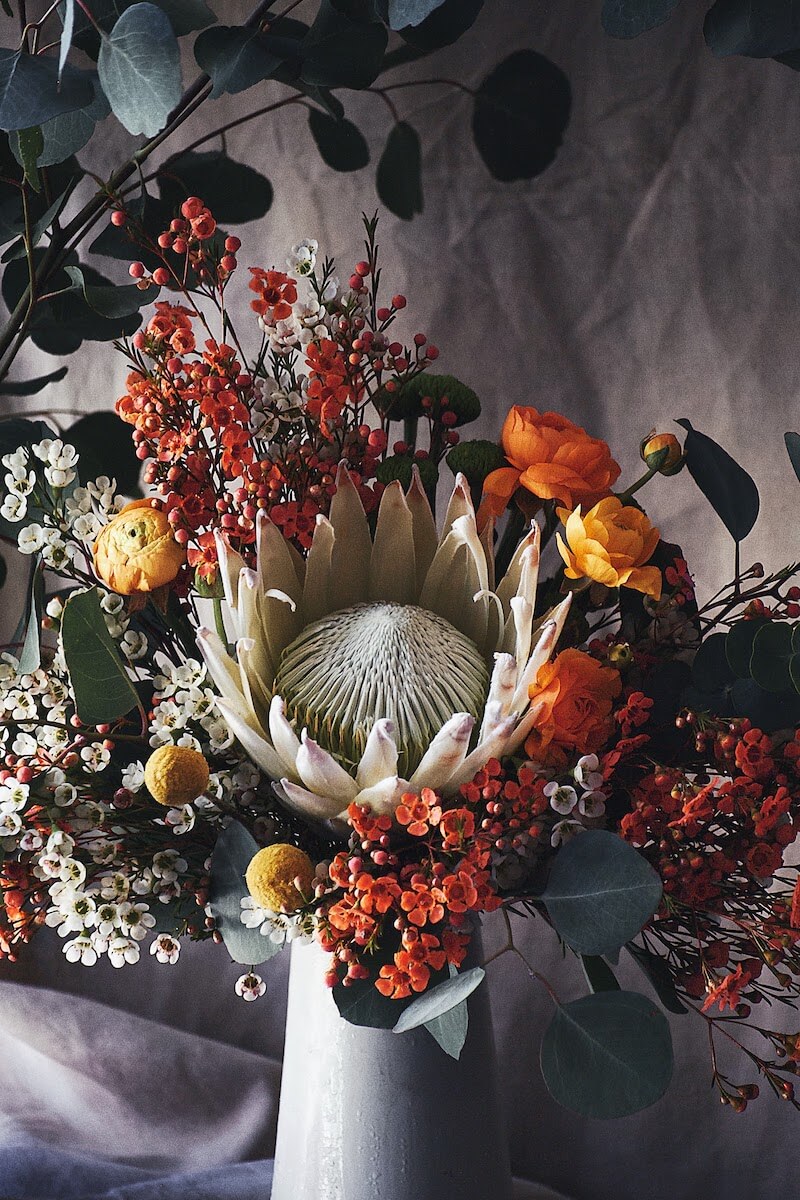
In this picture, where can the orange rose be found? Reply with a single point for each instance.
(577, 695)
(610, 544)
(136, 552)
(551, 457)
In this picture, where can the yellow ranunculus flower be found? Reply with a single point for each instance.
(136, 552)
(610, 544)
(271, 876)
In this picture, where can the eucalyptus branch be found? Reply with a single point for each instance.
(15, 331)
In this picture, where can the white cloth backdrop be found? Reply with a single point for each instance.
(649, 274)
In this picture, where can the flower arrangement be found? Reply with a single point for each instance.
(276, 700)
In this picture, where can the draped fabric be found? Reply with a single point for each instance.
(650, 273)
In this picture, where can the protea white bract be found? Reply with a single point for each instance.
(379, 666)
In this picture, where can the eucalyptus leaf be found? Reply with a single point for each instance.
(234, 58)
(600, 892)
(233, 850)
(403, 13)
(598, 973)
(29, 654)
(450, 1029)
(630, 18)
(711, 669)
(726, 485)
(31, 146)
(436, 1001)
(399, 175)
(739, 646)
(340, 143)
(139, 68)
(607, 1055)
(116, 300)
(67, 9)
(756, 28)
(100, 681)
(770, 656)
(30, 91)
(445, 25)
(521, 111)
(341, 52)
(65, 135)
(657, 972)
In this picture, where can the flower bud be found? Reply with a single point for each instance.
(663, 453)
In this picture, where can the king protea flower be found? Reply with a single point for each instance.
(379, 666)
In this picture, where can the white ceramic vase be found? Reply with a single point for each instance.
(367, 1114)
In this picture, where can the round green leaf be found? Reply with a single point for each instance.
(521, 111)
(600, 892)
(711, 669)
(231, 857)
(342, 52)
(235, 58)
(101, 684)
(629, 18)
(728, 488)
(759, 30)
(340, 143)
(739, 646)
(769, 661)
(445, 25)
(410, 12)
(139, 66)
(30, 92)
(399, 175)
(607, 1055)
(436, 1001)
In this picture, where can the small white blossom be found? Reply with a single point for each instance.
(14, 507)
(181, 820)
(250, 986)
(31, 539)
(82, 950)
(564, 830)
(122, 950)
(587, 774)
(166, 948)
(562, 797)
(303, 257)
(133, 776)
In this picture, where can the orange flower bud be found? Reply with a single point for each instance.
(136, 552)
(662, 452)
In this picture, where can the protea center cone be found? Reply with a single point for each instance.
(379, 666)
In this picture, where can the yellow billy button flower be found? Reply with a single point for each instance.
(610, 544)
(662, 452)
(136, 552)
(176, 775)
(273, 876)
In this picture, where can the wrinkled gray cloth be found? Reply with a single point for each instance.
(651, 273)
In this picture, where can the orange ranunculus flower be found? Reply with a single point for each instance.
(551, 457)
(610, 545)
(136, 552)
(577, 696)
